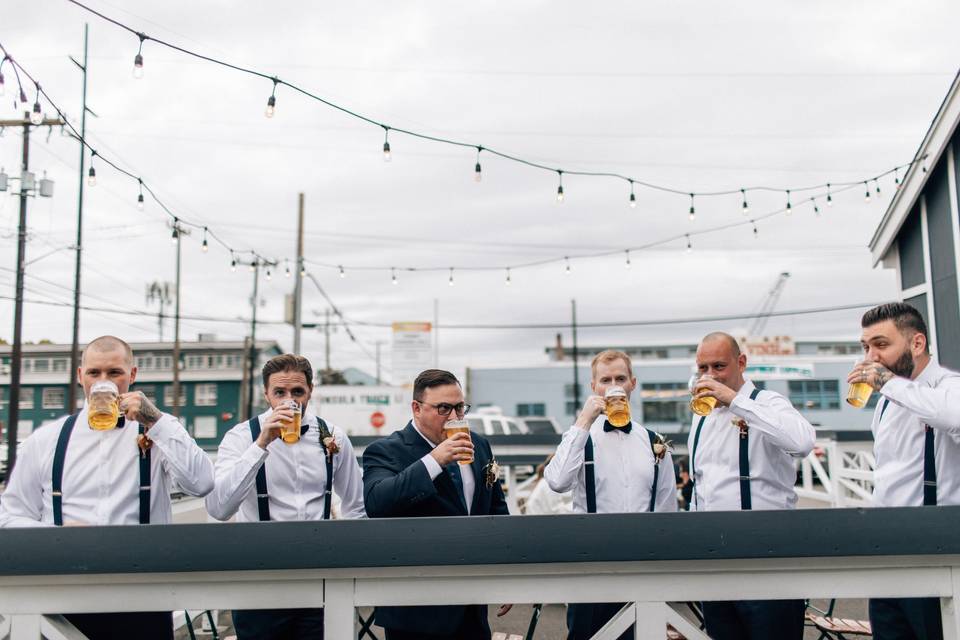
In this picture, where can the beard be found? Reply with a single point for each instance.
(904, 365)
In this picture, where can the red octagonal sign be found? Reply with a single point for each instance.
(377, 419)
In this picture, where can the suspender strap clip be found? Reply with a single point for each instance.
(263, 500)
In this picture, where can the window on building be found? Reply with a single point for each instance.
(815, 394)
(150, 392)
(53, 397)
(531, 409)
(205, 395)
(168, 395)
(60, 364)
(568, 390)
(26, 397)
(665, 402)
(41, 365)
(205, 427)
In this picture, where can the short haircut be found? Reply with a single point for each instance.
(904, 316)
(109, 343)
(287, 362)
(720, 335)
(432, 378)
(609, 356)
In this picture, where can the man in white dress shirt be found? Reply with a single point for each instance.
(609, 470)
(260, 477)
(916, 430)
(742, 456)
(72, 475)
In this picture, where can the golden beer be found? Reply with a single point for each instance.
(290, 430)
(618, 407)
(458, 426)
(104, 410)
(700, 406)
(859, 394)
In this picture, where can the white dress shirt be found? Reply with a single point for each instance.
(434, 469)
(778, 436)
(101, 474)
(932, 399)
(623, 470)
(296, 475)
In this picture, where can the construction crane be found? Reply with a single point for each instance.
(767, 306)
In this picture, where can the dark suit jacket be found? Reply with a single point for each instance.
(396, 485)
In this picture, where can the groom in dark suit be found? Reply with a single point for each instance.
(414, 472)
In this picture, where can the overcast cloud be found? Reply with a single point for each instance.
(693, 95)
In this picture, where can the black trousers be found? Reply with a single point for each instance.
(584, 619)
(278, 624)
(754, 620)
(473, 627)
(148, 625)
(906, 619)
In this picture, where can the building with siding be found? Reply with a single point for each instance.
(919, 234)
(211, 377)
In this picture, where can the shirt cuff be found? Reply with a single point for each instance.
(894, 386)
(433, 467)
(164, 428)
(254, 454)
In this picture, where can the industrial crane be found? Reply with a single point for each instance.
(766, 307)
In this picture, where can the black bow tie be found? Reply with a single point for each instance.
(303, 428)
(607, 427)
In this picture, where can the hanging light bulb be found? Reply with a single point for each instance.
(175, 236)
(303, 268)
(272, 101)
(633, 197)
(866, 195)
(789, 204)
(816, 209)
(628, 258)
(138, 59)
(393, 275)
(896, 178)
(269, 275)
(91, 175)
(477, 170)
(450, 281)
(233, 263)
(689, 245)
(343, 274)
(829, 197)
(507, 282)
(253, 264)
(756, 233)
(560, 186)
(286, 268)
(876, 184)
(693, 212)
(745, 208)
(36, 116)
(2, 87)
(386, 145)
(567, 268)
(204, 247)
(140, 196)
(23, 96)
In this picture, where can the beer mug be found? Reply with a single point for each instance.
(700, 406)
(618, 406)
(458, 426)
(859, 394)
(290, 430)
(103, 410)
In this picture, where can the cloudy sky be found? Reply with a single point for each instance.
(695, 96)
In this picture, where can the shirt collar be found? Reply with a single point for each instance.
(930, 373)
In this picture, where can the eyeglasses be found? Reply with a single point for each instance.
(445, 408)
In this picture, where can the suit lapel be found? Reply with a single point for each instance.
(445, 484)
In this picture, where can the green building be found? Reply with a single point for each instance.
(211, 381)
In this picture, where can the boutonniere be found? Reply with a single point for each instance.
(144, 443)
(740, 424)
(660, 448)
(328, 441)
(491, 473)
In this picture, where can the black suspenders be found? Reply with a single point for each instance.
(60, 455)
(746, 498)
(929, 461)
(590, 479)
(263, 498)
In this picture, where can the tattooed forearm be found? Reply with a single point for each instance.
(148, 413)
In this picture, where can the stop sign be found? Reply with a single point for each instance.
(377, 420)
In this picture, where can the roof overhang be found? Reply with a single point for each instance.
(931, 150)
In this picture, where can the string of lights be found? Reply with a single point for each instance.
(826, 194)
(632, 182)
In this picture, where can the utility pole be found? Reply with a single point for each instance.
(377, 344)
(298, 283)
(159, 292)
(326, 340)
(27, 184)
(251, 367)
(436, 333)
(576, 355)
(178, 233)
(75, 343)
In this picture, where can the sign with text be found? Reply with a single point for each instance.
(361, 410)
(412, 351)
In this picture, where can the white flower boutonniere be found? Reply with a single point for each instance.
(660, 448)
(329, 442)
(741, 425)
(491, 473)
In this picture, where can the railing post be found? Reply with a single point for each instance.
(834, 466)
(948, 608)
(651, 620)
(25, 627)
(338, 610)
